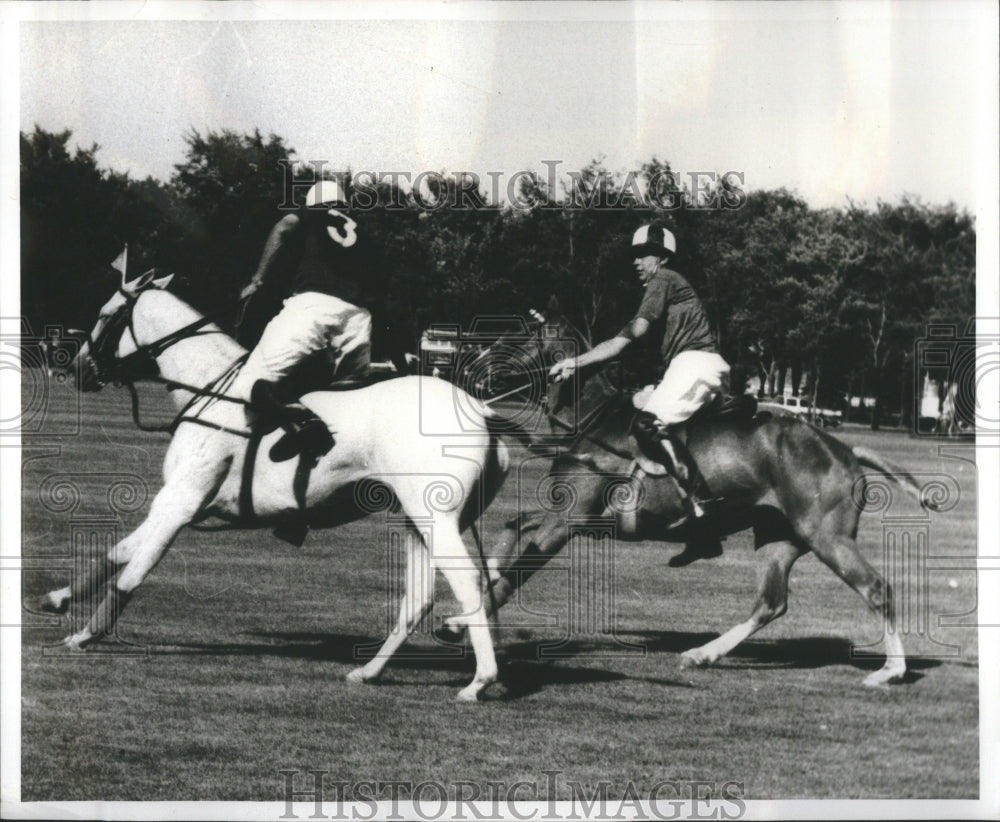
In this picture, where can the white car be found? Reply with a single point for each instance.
(804, 406)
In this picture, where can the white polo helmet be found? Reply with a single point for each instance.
(325, 191)
(653, 239)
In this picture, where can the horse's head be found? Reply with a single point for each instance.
(518, 365)
(557, 339)
(111, 347)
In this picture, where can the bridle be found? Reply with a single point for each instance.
(108, 367)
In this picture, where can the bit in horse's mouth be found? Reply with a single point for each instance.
(89, 377)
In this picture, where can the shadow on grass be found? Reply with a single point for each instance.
(522, 671)
(525, 671)
(795, 652)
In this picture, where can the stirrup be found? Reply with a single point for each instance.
(690, 502)
(655, 441)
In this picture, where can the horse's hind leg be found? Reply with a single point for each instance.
(547, 535)
(413, 607)
(841, 554)
(772, 602)
(453, 559)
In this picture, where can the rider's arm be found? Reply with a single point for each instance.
(609, 349)
(602, 352)
(276, 251)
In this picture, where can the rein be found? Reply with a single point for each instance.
(588, 423)
(128, 369)
(199, 393)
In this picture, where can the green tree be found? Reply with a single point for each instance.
(68, 230)
(229, 191)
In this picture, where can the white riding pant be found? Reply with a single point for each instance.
(693, 379)
(310, 322)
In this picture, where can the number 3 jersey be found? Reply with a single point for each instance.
(335, 258)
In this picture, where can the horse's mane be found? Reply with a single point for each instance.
(220, 342)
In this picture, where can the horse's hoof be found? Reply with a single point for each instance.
(74, 644)
(357, 676)
(450, 634)
(47, 604)
(689, 660)
(474, 691)
(884, 677)
(470, 693)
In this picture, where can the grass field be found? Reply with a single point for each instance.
(246, 641)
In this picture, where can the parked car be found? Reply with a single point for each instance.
(803, 406)
(439, 351)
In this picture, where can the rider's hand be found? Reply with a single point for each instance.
(563, 369)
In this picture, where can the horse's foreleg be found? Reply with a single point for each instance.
(454, 561)
(83, 587)
(177, 504)
(772, 602)
(139, 552)
(414, 606)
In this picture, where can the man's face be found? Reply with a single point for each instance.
(646, 267)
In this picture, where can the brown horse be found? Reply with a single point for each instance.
(797, 487)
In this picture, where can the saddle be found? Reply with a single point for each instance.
(293, 526)
(735, 407)
(729, 407)
(314, 374)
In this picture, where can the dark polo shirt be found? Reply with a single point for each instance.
(676, 316)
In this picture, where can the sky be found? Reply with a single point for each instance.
(864, 101)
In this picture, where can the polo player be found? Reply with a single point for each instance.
(693, 372)
(326, 268)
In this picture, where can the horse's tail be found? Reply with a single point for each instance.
(498, 425)
(497, 463)
(899, 475)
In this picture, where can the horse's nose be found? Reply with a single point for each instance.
(82, 372)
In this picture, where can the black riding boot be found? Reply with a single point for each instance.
(305, 433)
(650, 433)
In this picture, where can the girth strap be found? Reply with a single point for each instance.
(293, 527)
(246, 512)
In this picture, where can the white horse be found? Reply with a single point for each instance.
(431, 443)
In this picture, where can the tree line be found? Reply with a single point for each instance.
(829, 302)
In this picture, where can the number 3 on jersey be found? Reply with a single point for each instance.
(341, 228)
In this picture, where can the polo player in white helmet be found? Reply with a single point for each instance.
(322, 259)
(671, 316)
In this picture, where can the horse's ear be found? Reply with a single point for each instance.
(162, 281)
(553, 305)
(137, 284)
